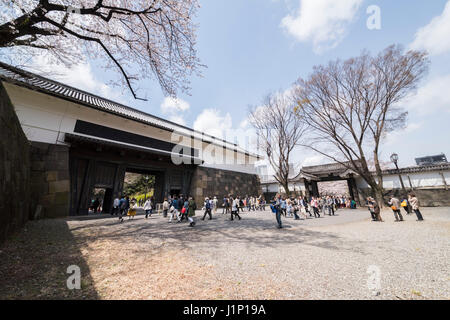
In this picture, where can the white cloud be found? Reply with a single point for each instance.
(435, 37)
(315, 160)
(322, 22)
(431, 97)
(212, 122)
(171, 104)
(395, 138)
(79, 76)
(178, 120)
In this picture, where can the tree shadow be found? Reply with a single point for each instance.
(34, 262)
(258, 233)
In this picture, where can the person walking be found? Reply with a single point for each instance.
(406, 206)
(226, 205)
(214, 204)
(207, 209)
(165, 207)
(283, 206)
(296, 208)
(115, 210)
(173, 212)
(122, 208)
(375, 210)
(234, 208)
(191, 211)
(371, 208)
(395, 206)
(148, 208)
(276, 208)
(315, 206)
(185, 210)
(415, 206)
(132, 209)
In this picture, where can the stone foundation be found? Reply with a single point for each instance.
(438, 197)
(14, 170)
(209, 182)
(50, 180)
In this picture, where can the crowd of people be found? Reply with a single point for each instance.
(182, 208)
(411, 203)
(298, 207)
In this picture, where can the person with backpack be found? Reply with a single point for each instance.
(276, 208)
(122, 208)
(207, 209)
(405, 205)
(395, 206)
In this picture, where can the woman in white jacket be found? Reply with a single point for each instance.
(148, 208)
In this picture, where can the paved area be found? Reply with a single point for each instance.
(342, 257)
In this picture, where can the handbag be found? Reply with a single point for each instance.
(183, 210)
(404, 204)
(394, 208)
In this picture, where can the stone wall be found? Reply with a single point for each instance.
(436, 197)
(209, 182)
(14, 170)
(50, 179)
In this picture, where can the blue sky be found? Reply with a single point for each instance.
(249, 53)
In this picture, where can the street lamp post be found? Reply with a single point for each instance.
(394, 159)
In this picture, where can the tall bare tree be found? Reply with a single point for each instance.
(279, 130)
(137, 38)
(351, 105)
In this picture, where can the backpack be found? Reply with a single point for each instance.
(208, 205)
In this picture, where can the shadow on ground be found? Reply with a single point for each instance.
(255, 232)
(34, 262)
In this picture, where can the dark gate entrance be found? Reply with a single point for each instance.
(312, 175)
(99, 164)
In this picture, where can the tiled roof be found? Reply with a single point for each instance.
(36, 82)
(425, 168)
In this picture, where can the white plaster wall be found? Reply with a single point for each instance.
(46, 119)
(419, 180)
(275, 187)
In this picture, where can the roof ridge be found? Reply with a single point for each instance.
(30, 76)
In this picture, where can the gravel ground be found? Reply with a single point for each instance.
(327, 258)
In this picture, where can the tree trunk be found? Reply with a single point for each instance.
(379, 189)
(286, 188)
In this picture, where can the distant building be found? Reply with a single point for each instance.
(424, 161)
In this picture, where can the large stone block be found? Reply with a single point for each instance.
(209, 182)
(59, 186)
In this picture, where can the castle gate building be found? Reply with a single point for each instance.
(81, 142)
